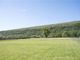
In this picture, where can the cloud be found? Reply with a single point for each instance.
(22, 10)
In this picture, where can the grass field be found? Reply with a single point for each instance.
(40, 49)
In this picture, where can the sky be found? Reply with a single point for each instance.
(16, 14)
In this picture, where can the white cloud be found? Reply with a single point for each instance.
(23, 10)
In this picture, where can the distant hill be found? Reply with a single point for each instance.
(68, 29)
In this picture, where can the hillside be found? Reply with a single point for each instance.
(68, 29)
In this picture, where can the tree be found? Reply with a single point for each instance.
(65, 34)
(46, 32)
(78, 34)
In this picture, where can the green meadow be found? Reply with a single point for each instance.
(40, 49)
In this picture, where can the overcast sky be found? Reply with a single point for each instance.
(26, 13)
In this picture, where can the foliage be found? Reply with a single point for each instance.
(70, 29)
(46, 32)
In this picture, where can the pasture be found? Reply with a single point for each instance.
(40, 49)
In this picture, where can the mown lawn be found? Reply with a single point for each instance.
(40, 49)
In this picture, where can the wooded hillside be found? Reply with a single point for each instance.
(69, 29)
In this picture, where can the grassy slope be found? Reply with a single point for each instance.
(40, 49)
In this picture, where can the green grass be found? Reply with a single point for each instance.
(40, 49)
